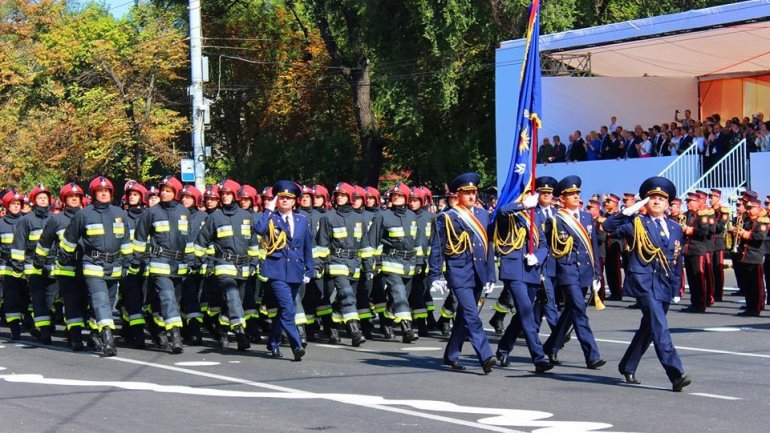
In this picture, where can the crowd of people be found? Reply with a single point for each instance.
(713, 137)
(293, 264)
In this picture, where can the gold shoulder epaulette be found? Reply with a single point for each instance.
(764, 220)
(725, 209)
(706, 212)
(601, 220)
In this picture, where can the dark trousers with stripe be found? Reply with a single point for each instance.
(754, 281)
(613, 269)
(15, 298)
(43, 291)
(718, 271)
(708, 278)
(694, 267)
(766, 268)
(75, 295)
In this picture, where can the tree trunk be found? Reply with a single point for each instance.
(372, 143)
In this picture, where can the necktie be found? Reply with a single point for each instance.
(663, 234)
(286, 221)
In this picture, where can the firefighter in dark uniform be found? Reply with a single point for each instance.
(751, 247)
(721, 218)
(312, 301)
(288, 245)
(190, 197)
(696, 231)
(654, 270)
(228, 233)
(15, 293)
(521, 246)
(211, 299)
(339, 239)
(100, 229)
(397, 239)
(43, 289)
(363, 286)
(461, 241)
(248, 198)
(419, 292)
(574, 247)
(132, 285)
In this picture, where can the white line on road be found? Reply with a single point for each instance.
(696, 349)
(721, 397)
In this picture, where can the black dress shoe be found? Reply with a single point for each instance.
(596, 364)
(680, 382)
(454, 365)
(298, 354)
(503, 360)
(276, 353)
(488, 364)
(631, 378)
(553, 359)
(542, 368)
(634, 306)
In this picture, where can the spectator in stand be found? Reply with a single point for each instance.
(735, 135)
(644, 146)
(577, 149)
(718, 142)
(559, 150)
(758, 119)
(699, 140)
(659, 147)
(685, 142)
(630, 145)
(593, 146)
(687, 122)
(618, 147)
(763, 139)
(613, 123)
(606, 150)
(545, 152)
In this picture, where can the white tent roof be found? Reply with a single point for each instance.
(717, 41)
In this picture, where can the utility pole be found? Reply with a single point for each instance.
(199, 105)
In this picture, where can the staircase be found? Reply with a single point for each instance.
(728, 174)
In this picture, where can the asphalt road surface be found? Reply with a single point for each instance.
(394, 387)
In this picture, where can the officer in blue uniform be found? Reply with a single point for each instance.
(544, 211)
(462, 243)
(574, 247)
(288, 263)
(654, 275)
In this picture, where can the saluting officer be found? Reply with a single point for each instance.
(654, 272)
(574, 247)
(101, 231)
(462, 243)
(288, 245)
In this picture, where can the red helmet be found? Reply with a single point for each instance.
(418, 193)
(132, 185)
(39, 189)
(86, 201)
(229, 185)
(400, 188)
(267, 192)
(151, 192)
(171, 182)
(345, 188)
(373, 192)
(322, 191)
(192, 192)
(211, 191)
(306, 190)
(100, 182)
(69, 189)
(360, 193)
(427, 194)
(248, 191)
(12, 195)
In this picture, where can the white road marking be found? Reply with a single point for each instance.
(721, 397)
(420, 349)
(722, 329)
(196, 363)
(697, 349)
(2, 368)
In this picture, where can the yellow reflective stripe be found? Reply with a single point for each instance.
(246, 230)
(90, 270)
(119, 229)
(117, 272)
(413, 231)
(338, 270)
(224, 231)
(6, 238)
(339, 232)
(34, 235)
(366, 252)
(31, 270)
(59, 233)
(225, 270)
(160, 268)
(253, 251)
(40, 251)
(321, 252)
(199, 251)
(428, 230)
(393, 267)
(189, 248)
(139, 246)
(418, 251)
(62, 273)
(161, 226)
(181, 269)
(357, 232)
(17, 254)
(378, 251)
(396, 232)
(183, 225)
(94, 229)
(126, 249)
(67, 246)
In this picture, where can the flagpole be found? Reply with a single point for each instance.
(532, 225)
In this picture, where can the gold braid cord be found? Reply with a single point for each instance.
(273, 242)
(559, 248)
(514, 239)
(455, 243)
(644, 247)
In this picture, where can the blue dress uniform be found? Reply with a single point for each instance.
(511, 239)
(546, 184)
(654, 275)
(462, 243)
(577, 267)
(288, 263)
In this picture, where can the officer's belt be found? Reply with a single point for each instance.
(167, 253)
(345, 254)
(233, 258)
(105, 257)
(398, 254)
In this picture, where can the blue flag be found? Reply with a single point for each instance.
(521, 168)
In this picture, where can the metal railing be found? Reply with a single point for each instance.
(684, 170)
(728, 174)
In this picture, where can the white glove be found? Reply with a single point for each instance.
(635, 207)
(677, 299)
(270, 205)
(530, 200)
(531, 259)
(305, 280)
(597, 285)
(488, 288)
(439, 286)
